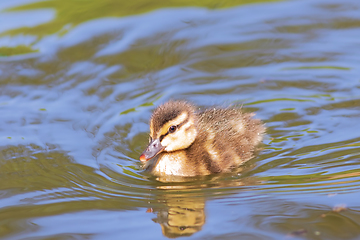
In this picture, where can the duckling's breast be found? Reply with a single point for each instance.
(173, 163)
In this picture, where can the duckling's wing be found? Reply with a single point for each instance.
(231, 135)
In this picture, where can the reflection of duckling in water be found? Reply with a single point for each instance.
(185, 143)
(182, 217)
(180, 208)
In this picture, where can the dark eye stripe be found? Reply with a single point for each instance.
(162, 136)
(185, 121)
(178, 126)
(187, 129)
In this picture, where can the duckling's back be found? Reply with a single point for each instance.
(227, 138)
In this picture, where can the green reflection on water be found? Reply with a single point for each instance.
(77, 12)
(148, 104)
(317, 67)
(318, 179)
(278, 99)
(282, 139)
(21, 49)
(128, 111)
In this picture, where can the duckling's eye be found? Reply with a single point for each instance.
(172, 129)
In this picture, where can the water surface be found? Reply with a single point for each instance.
(78, 83)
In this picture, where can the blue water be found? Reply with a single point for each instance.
(78, 83)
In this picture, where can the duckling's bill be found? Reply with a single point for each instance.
(153, 149)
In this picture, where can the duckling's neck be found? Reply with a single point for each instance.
(172, 163)
(189, 162)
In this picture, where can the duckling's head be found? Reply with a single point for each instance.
(172, 128)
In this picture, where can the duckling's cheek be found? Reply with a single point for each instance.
(191, 135)
(168, 143)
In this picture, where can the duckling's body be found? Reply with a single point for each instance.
(187, 143)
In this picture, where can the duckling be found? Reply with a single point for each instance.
(184, 142)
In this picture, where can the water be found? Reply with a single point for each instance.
(79, 81)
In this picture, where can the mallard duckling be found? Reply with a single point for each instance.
(184, 142)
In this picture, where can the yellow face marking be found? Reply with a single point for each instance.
(181, 118)
(151, 129)
(182, 138)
